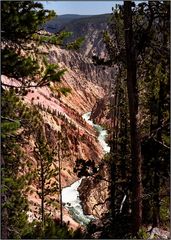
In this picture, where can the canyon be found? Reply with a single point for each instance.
(88, 84)
(85, 122)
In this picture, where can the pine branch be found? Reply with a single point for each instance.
(10, 119)
(161, 143)
(39, 84)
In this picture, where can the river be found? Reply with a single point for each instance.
(70, 195)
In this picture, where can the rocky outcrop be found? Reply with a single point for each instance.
(102, 111)
(87, 82)
(83, 66)
(94, 193)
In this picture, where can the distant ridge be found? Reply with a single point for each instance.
(63, 21)
(90, 27)
(72, 16)
(79, 15)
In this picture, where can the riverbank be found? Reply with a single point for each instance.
(70, 194)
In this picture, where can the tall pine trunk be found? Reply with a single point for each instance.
(113, 151)
(133, 111)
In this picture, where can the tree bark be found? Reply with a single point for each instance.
(113, 151)
(133, 111)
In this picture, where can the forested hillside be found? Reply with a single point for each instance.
(85, 122)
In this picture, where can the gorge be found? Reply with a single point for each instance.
(64, 113)
(70, 195)
(85, 122)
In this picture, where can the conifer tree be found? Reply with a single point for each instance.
(133, 111)
(147, 31)
(21, 37)
(60, 168)
(14, 203)
(44, 171)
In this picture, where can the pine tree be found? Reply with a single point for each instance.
(60, 168)
(45, 173)
(148, 42)
(14, 203)
(133, 111)
(21, 38)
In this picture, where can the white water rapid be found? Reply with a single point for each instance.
(71, 200)
(102, 132)
(70, 195)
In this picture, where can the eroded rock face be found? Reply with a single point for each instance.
(102, 111)
(64, 114)
(94, 193)
(88, 84)
(83, 65)
(89, 27)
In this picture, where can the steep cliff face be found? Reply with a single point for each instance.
(102, 111)
(94, 193)
(86, 81)
(83, 67)
(89, 27)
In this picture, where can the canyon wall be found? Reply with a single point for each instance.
(63, 113)
(91, 28)
(94, 192)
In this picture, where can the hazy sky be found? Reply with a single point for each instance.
(80, 7)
